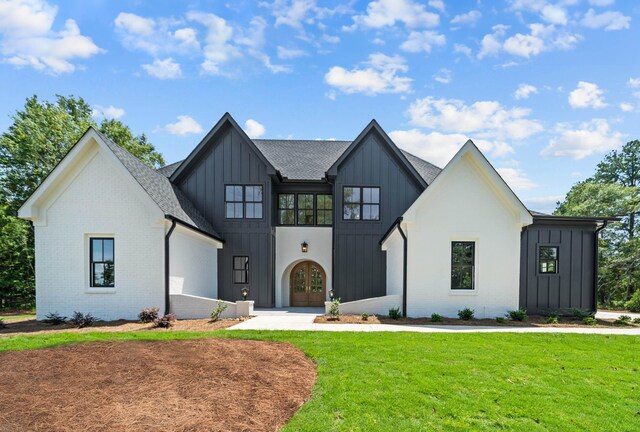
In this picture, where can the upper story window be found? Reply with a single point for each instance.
(286, 209)
(243, 202)
(548, 259)
(305, 209)
(324, 209)
(361, 203)
(463, 265)
(101, 262)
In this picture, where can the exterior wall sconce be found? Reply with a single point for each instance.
(245, 293)
(331, 294)
(305, 247)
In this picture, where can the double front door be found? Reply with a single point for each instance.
(308, 284)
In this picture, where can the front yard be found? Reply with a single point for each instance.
(409, 381)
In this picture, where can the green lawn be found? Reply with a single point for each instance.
(8, 318)
(410, 381)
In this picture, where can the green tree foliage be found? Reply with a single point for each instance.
(39, 137)
(614, 190)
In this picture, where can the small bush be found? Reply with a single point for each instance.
(2, 323)
(634, 302)
(164, 321)
(436, 317)
(501, 320)
(334, 310)
(552, 320)
(518, 315)
(466, 314)
(55, 318)
(590, 321)
(365, 317)
(636, 320)
(81, 320)
(147, 315)
(394, 313)
(623, 320)
(581, 313)
(217, 312)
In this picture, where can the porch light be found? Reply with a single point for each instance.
(304, 246)
(245, 293)
(331, 294)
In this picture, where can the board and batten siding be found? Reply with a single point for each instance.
(574, 284)
(228, 159)
(359, 263)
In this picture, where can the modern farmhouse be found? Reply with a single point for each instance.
(288, 222)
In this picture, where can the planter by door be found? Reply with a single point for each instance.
(308, 285)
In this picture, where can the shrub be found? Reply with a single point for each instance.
(436, 317)
(365, 317)
(636, 320)
(634, 302)
(580, 313)
(147, 315)
(590, 321)
(518, 315)
(164, 321)
(552, 320)
(623, 320)
(466, 314)
(334, 310)
(55, 318)
(501, 320)
(2, 323)
(81, 320)
(394, 313)
(217, 312)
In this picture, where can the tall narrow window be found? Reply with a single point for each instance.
(351, 208)
(253, 202)
(305, 209)
(324, 209)
(548, 259)
(233, 198)
(240, 269)
(101, 262)
(286, 209)
(361, 203)
(462, 265)
(371, 203)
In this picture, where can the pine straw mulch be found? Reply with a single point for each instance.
(187, 385)
(534, 321)
(31, 326)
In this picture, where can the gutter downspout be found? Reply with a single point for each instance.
(404, 268)
(167, 297)
(596, 260)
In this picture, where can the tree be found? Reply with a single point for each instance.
(39, 137)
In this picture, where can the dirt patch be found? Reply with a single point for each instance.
(32, 326)
(346, 319)
(197, 385)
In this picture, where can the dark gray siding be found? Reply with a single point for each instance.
(229, 159)
(359, 264)
(573, 286)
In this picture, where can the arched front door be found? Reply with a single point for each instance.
(308, 285)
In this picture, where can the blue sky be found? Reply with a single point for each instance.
(545, 88)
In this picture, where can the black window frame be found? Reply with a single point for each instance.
(324, 210)
(306, 210)
(296, 209)
(244, 202)
(92, 263)
(473, 265)
(292, 209)
(556, 261)
(361, 204)
(245, 270)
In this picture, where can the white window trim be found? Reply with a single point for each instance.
(87, 263)
(476, 273)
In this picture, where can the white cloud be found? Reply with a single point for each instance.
(591, 137)
(524, 45)
(386, 13)
(543, 203)
(634, 82)
(422, 41)
(626, 107)
(587, 95)
(380, 74)
(610, 20)
(541, 38)
(470, 17)
(444, 76)
(600, 2)
(27, 38)
(184, 126)
(484, 119)
(290, 53)
(254, 129)
(554, 14)
(108, 112)
(516, 179)
(462, 49)
(524, 91)
(491, 44)
(217, 44)
(296, 13)
(437, 4)
(163, 69)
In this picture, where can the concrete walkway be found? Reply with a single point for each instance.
(301, 319)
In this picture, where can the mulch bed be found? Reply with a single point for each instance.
(32, 326)
(534, 321)
(195, 385)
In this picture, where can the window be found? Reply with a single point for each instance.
(548, 259)
(286, 209)
(305, 209)
(462, 265)
(101, 262)
(243, 202)
(240, 269)
(361, 203)
(325, 209)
